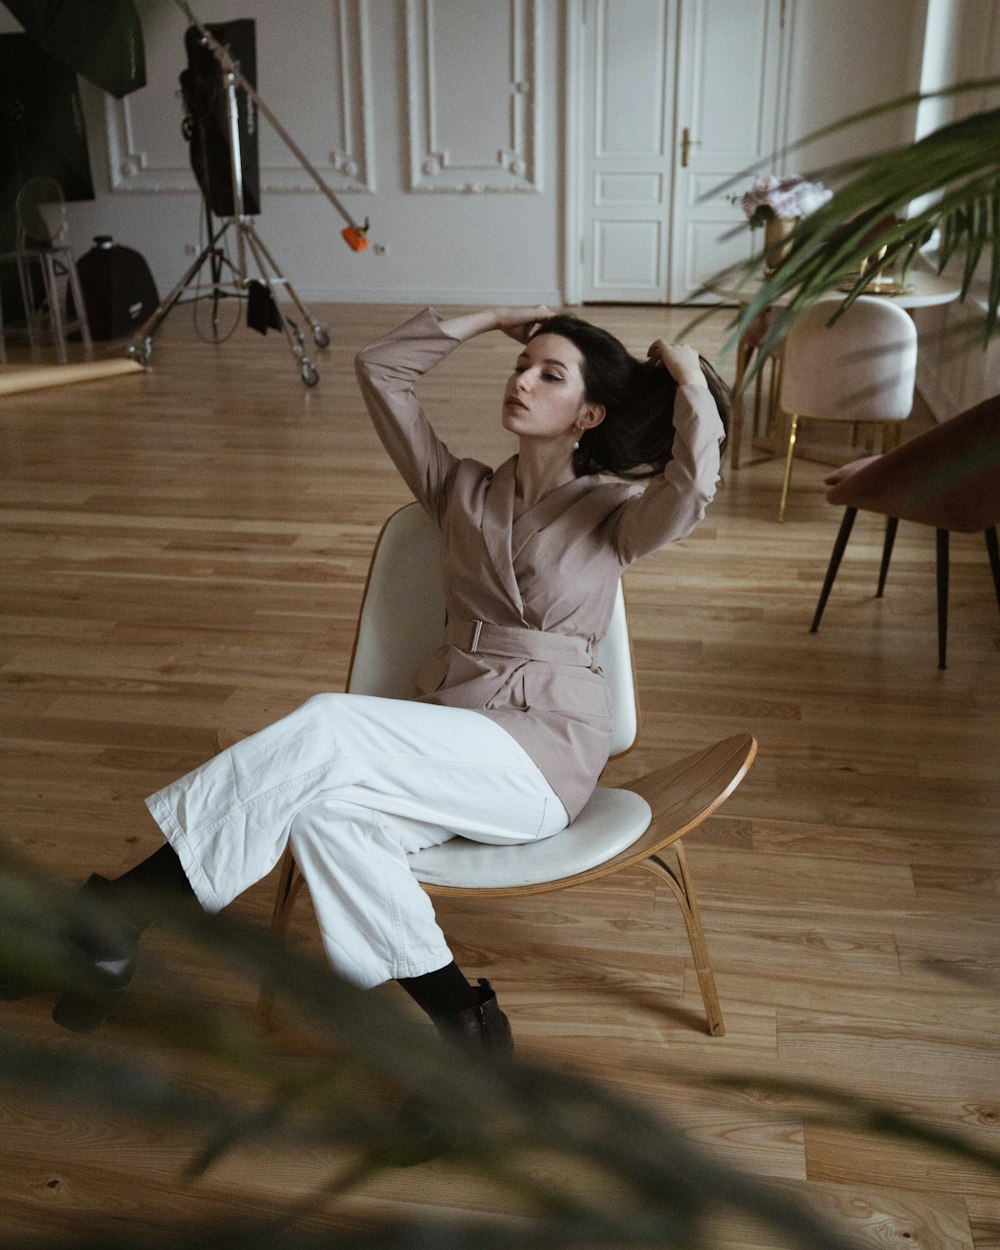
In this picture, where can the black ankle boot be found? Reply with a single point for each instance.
(109, 969)
(482, 1030)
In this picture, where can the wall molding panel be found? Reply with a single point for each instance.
(474, 127)
(141, 161)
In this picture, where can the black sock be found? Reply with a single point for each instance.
(443, 992)
(161, 871)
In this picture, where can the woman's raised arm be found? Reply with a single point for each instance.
(518, 322)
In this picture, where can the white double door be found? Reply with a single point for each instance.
(666, 100)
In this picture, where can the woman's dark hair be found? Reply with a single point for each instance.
(635, 439)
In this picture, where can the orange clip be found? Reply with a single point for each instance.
(355, 238)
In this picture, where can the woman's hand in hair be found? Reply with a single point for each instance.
(521, 323)
(682, 362)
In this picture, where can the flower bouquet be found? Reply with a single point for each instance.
(777, 204)
(785, 198)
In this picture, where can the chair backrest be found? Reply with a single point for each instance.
(403, 615)
(948, 477)
(861, 368)
(40, 209)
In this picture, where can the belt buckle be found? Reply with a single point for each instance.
(476, 631)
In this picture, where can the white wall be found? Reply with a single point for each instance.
(335, 74)
(845, 57)
(371, 88)
(954, 370)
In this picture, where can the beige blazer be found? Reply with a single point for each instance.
(555, 569)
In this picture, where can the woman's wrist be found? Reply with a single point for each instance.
(468, 325)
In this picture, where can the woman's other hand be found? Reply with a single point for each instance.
(520, 323)
(681, 362)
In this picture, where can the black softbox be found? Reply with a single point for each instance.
(208, 113)
(100, 39)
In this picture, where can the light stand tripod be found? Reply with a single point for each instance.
(248, 242)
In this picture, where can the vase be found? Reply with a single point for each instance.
(776, 245)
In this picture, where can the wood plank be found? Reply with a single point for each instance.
(195, 556)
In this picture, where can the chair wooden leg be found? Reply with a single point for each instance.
(681, 884)
(994, 550)
(289, 884)
(942, 596)
(891, 525)
(839, 547)
(793, 425)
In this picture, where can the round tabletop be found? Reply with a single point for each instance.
(923, 289)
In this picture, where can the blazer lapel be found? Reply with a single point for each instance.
(498, 514)
(547, 510)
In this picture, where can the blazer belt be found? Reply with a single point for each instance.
(517, 643)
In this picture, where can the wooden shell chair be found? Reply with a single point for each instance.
(860, 369)
(401, 620)
(947, 477)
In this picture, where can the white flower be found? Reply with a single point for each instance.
(788, 197)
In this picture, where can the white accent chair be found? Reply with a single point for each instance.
(860, 369)
(401, 620)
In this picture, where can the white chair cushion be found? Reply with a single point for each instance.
(611, 821)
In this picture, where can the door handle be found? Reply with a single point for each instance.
(687, 143)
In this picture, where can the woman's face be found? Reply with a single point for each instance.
(544, 396)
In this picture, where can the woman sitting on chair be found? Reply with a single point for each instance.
(508, 729)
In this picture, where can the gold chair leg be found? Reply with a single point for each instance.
(793, 426)
(681, 884)
(777, 369)
(736, 412)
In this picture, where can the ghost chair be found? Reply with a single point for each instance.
(402, 619)
(46, 268)
(859, 369)
(947, 477)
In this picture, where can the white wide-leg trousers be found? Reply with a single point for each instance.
(355, 784)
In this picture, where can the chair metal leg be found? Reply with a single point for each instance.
(942, 596)
(891, 525)
(844, 533)
(80, 308)
(793, 425)
(54, 299)
(28, 299)
(683, 887)
(743, 354)
(994, 550)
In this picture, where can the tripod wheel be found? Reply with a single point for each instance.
(309, 375)
(321, 336)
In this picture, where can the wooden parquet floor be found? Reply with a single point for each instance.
(186, 549)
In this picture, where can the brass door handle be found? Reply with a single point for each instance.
(687, 143)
